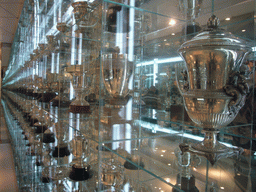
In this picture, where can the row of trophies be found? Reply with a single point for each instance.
(47, 160)
(212, 84)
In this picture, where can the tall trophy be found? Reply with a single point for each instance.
(214, 86)
(85, 22)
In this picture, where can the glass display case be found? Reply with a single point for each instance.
(133, 96)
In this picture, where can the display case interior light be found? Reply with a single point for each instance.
(172, 22)
(160, 61)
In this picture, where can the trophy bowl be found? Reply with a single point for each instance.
(117, 72)
(214, 85)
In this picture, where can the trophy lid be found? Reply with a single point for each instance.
(214, 36)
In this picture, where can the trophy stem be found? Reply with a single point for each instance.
(210, 141)
(211, 148)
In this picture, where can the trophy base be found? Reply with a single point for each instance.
(116, 102)
(186, 184)
(58, 102)
(80, 173)
(92, 98)
(38, 163)
(48, 138)
(46, 180)
(46, 97)
(211, 148)
(130, 166)
(33, 121)
(79, 109)
(61, 151)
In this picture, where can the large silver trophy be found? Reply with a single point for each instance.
(214, 87)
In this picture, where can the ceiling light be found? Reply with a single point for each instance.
(227, 19)
(172, 22)
(243, 30)
(165, 39)
(173, 33)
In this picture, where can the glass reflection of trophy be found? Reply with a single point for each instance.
(48, 77)
(84, 17)
(111, 174)
(61, 151)
(61, 131)
(191, 9)
(62, 77)
(113, 21)
(48, 141)
(117, 71)
(43, 122)
(214, 86)
(134, 157)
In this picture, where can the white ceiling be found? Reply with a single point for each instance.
(9, 16)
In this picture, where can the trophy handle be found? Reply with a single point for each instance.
(237, 87)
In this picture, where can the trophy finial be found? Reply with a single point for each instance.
(213, 22)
